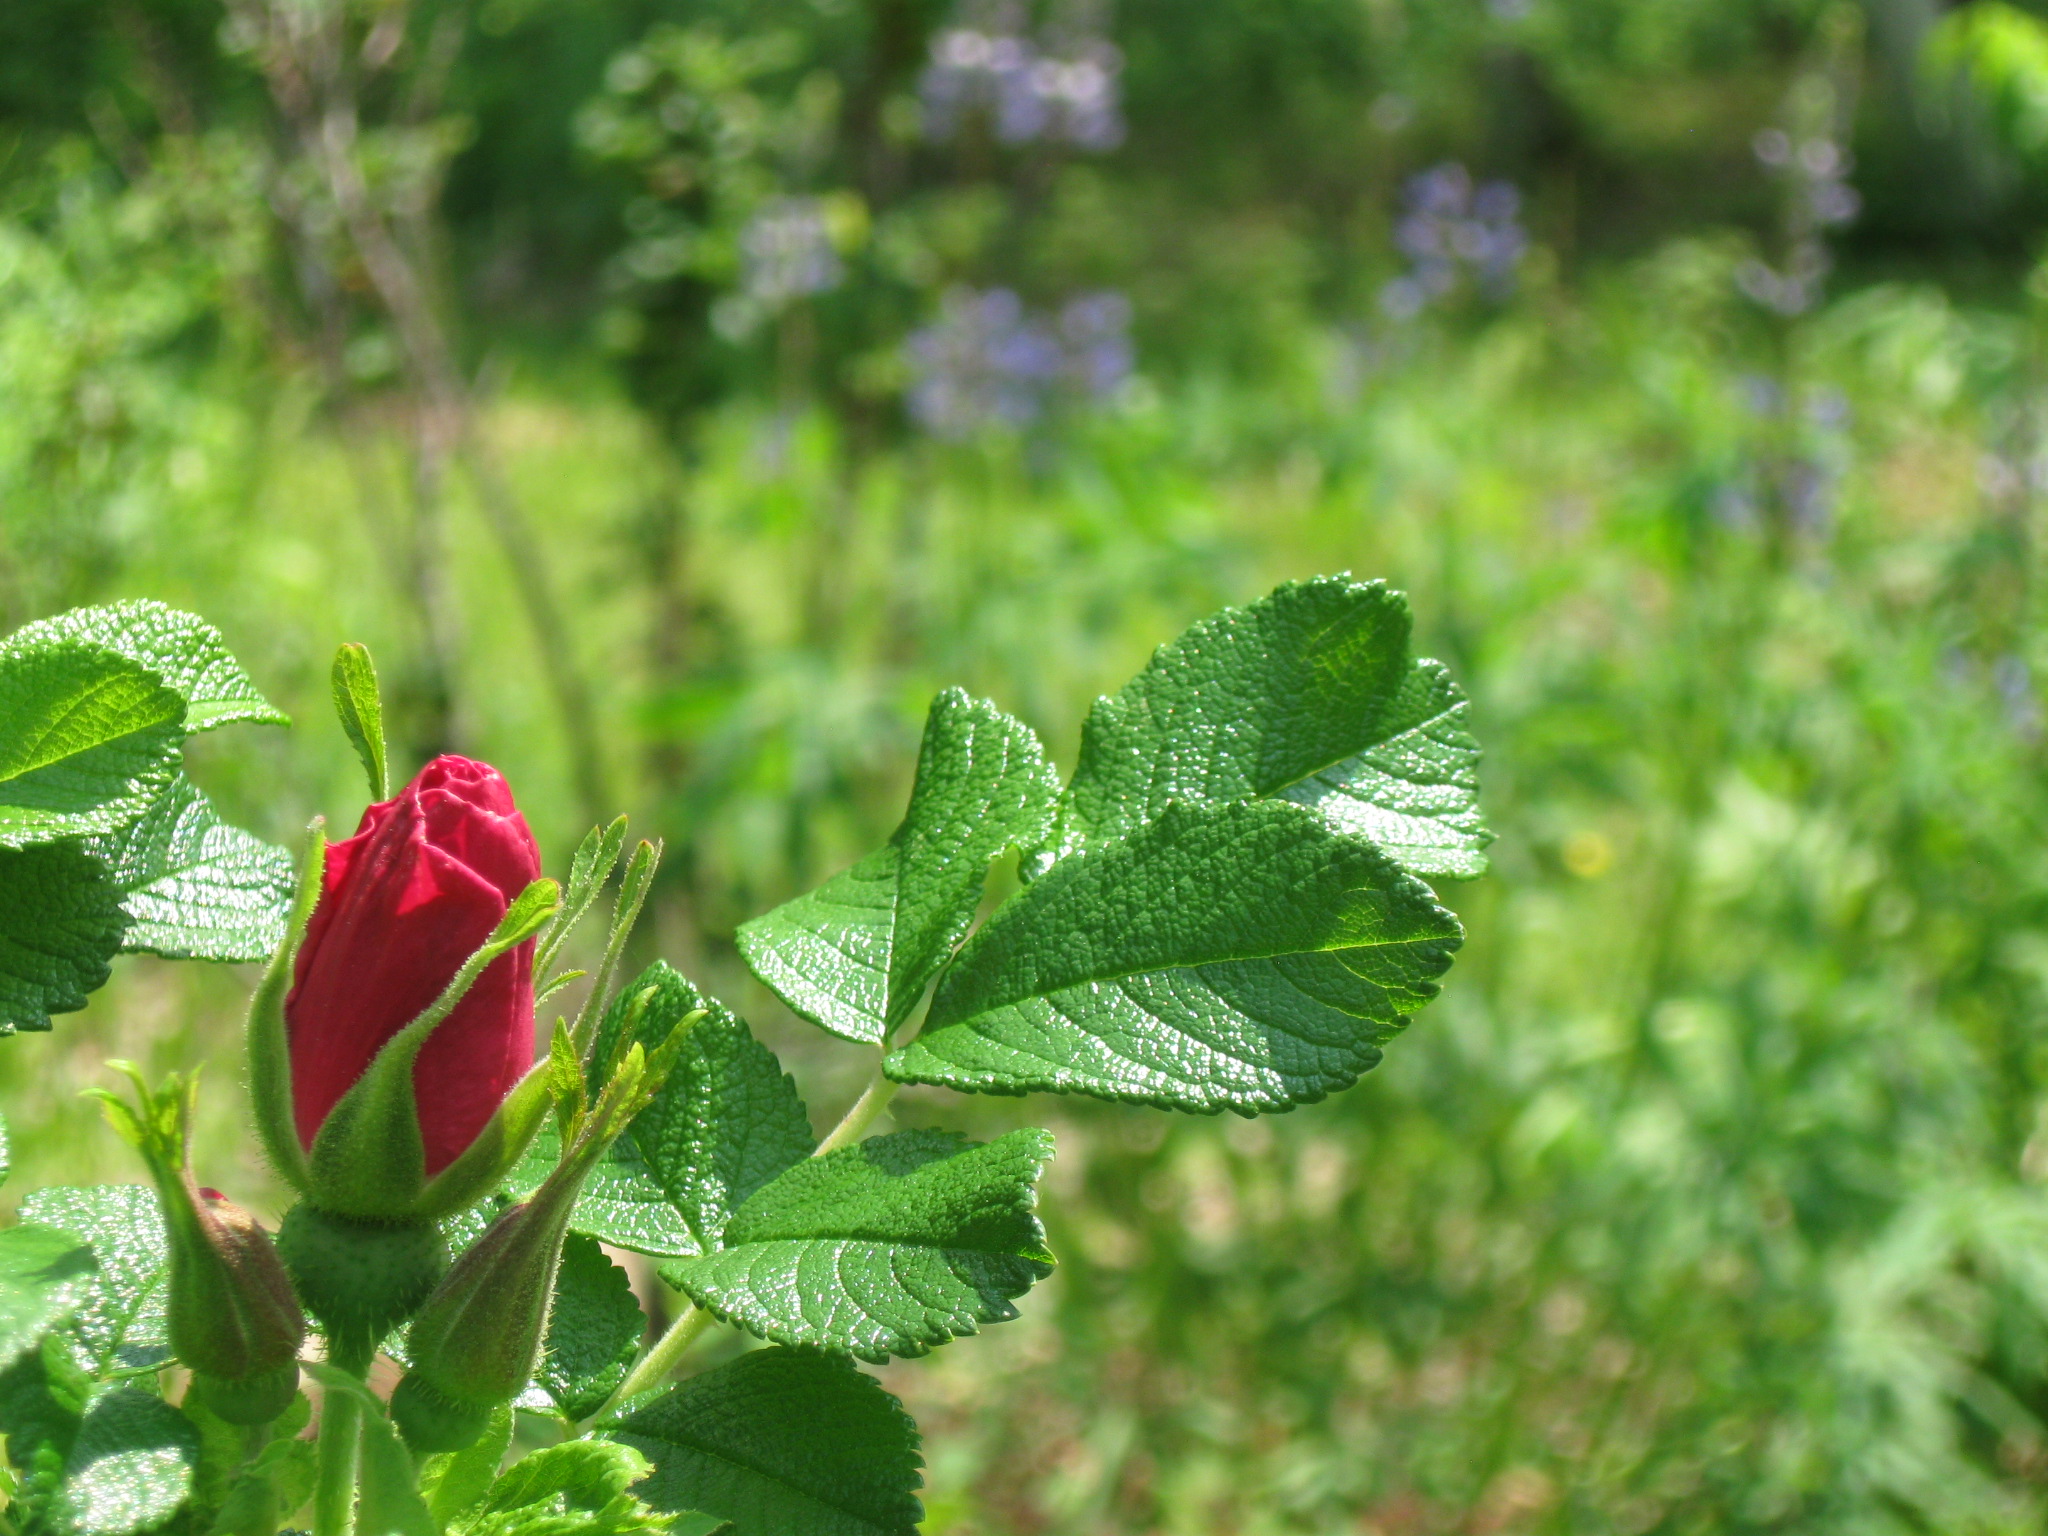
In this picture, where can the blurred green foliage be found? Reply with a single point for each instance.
(1711, 1198)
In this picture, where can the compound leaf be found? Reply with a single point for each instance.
(131, 1465)
(726, 1122)
(855, 955)
(1307, 693)
(87, 739)
(183, 649)
(782, 1442)
(886, 1248)
(43, 1274)
(118, 1325)
(594, 1331)
(193, 887)
(60, 927)
(1238, 956)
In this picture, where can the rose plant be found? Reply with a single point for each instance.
(1223, 908)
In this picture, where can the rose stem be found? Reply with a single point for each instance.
(341, 1423)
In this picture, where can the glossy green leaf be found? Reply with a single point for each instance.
(1309, 694)
(856, 954)
(183, 649)
(87, 739)
(1239, 956)
(131, 1466)
(193, 887)
(61, 925)
(886, 1248)
(578, 1488)
(44, 1273)
(782, 1442)
(726, 1122)
(118, 1324)
(594, 1330)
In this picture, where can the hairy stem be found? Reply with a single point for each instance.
(666, 1355)
(341, 1424)
(873, 1100)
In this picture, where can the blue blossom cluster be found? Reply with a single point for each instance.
(786, 252)
(1803, 484)
(1452, 231)
(1058, 91)
(1815, 174)
(989, 361)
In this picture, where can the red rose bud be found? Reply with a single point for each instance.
(392, 1079)
(475, 1343)
(230, 1309)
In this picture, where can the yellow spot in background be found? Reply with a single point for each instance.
(1589, 855)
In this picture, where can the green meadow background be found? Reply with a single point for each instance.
(1712, 1196)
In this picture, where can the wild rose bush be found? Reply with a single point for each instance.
(1223, 908)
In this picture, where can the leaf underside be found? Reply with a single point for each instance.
(1240, 956)
(856, 954)
(746, 1442)
(887, 1248)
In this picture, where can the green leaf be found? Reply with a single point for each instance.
(119, 1325)
(855, 955)
(578, 1488)
(193, 887)
(276, 1482)
(1415, 790)
(1240, 956)
(596, 857)
(594, 1332)
(458, 1482)
(886, 1248)
(726, 1122)
(43, 1274)
(61, 925)
(87, 739)
(1308, 694)
(131, 1465)
(782, 1443)
(183, 649)
(361, 709)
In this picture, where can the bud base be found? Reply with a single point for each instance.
(432, 1421)
(252, 1400)
(359, 1279)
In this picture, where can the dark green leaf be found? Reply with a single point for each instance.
(87, 739)
(61, 925)
(783, 1443)
(361, 710)
(193, 887)
(1307, 693)
(43, 1274)
(856, 954)
(118, 1325)
(131, 1465)
(727, 1121)
(885, 1248)
(594, 1331)
(183, 649)
(1238, 956)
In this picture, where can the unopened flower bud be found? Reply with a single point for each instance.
(475, 1343)
(231, 1315)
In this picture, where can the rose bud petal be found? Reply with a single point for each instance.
(402, 905)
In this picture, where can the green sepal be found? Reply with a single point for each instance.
(361, 708)
(369, 1159)
(269, 1042)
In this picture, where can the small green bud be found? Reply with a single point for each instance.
(360, 1279)
(476, 1341)
(230, 1312)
